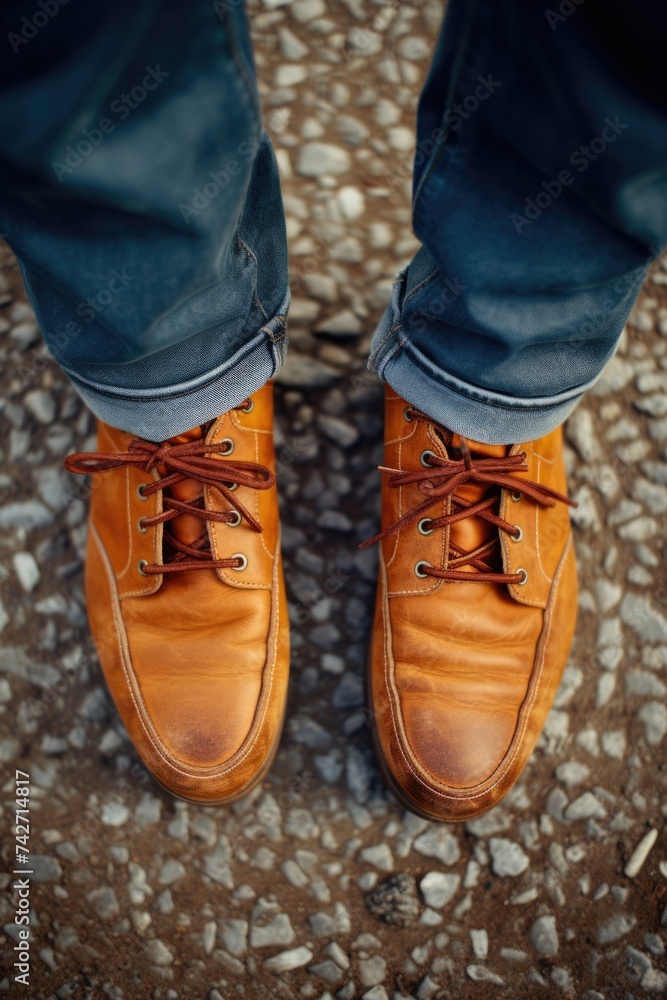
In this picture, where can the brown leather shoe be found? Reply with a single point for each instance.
(186, 599)
(475, 614)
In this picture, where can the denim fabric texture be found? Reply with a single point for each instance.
(141, 196)
(540, 198)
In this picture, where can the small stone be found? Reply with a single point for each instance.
(299, 372)
(321, 287)
(587, 806)
(639, 614)
(42, 405)
(104, 902)
(395, 901)
(326, 970)
(437, 842)
(27, 570)
(307, 10)
(653, 715)
(115, 813)
(480, 943)
(372, 970)
(379, 856)
(338, 431)
(272, 932)
(572, 773)
(27, 514)
(614, 744)
(316, 159)
(401, 138)
(544, 936)
(342, 325)
(615, 928)
(640, 853)
(351, 202)
(295, 958)
(480, 974)
(157, 953)
(291, 46)
(639, 530)
(45, 868)
(234, 936)
(655, 981)
(439, 888)
(289, 74)
(507, 857)
(170, 872)
(375, 993)
(580, 431)
(643, 684)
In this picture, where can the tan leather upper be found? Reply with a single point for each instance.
(197, 661)
(463, 674)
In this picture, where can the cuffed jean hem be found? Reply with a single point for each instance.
(469, 410)
(158, 414)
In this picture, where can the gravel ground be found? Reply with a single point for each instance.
(319, 885)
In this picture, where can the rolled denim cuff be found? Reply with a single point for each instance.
(158, 414)
(469, 410)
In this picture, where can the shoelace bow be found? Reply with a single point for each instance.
(440, 479)
(187, 460)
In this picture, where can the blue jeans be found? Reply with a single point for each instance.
(141, 197)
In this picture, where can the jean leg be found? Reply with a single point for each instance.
(141, 196)
(540, 197)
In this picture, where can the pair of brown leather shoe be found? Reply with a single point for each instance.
(475, 610)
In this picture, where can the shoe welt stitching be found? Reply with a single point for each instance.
(525, 709)
(125, 658)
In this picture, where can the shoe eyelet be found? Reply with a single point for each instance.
(140, 491)
(424, 458)
(422, 526)
(407, 414)
(244, 561)
(248, 406)
(237, 518)
(517, 534)
(141, 567)
(419, 571)
(524, 572)
(232, 486)
(229, 446)
(516, 495)
(142, 526)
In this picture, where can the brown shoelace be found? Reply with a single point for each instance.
(186, 460)
(441, 478)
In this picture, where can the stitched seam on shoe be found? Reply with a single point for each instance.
(122, 573)
(508, 760)
(538, 533)
(437, 582)
(124, 647)
(261, 536)
(222, 574)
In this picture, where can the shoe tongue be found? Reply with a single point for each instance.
(186, 527)
(477, 448)
(474, 531)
